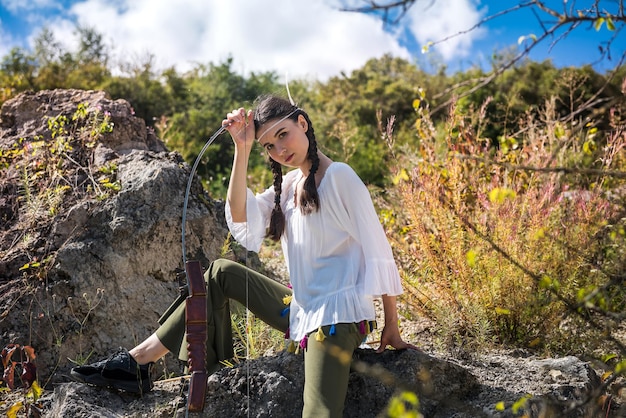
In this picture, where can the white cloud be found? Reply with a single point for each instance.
(302, 38)
(18, 6)
(5, 42)
(433, 21)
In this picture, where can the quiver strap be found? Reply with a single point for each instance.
(196, 328)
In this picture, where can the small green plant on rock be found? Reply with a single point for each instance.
(81, 320)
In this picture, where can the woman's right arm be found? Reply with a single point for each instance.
(241, 128)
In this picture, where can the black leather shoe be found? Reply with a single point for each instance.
(119, 371)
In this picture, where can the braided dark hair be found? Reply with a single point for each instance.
(277, 220)
(272, 108)
(309, 198)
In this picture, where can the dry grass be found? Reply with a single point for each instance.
(523, 244)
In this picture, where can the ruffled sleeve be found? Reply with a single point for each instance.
(353, 206)
(251, 233)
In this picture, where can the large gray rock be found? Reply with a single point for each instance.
(272, 386)
(111, 258)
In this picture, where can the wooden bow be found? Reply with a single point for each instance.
(196, 328)
(195, 308)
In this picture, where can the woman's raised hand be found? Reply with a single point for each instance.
(240, 125)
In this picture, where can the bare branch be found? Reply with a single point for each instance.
(555, 24)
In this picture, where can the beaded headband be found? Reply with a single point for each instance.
(277, 122)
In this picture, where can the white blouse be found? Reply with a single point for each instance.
(338, 258)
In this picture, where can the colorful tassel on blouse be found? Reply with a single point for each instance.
(287, 299)
(291, 348)
(287, 334)
(362, 329)
(332, 330)
(319, 335)
(284, 311)
(304, 342)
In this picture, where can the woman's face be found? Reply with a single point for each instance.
(286, 141)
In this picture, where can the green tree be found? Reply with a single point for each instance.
(91, 46)
(346, 110)
(47, 49)
(213, 91)
(86, 68)
(144, 90)
(18, 70)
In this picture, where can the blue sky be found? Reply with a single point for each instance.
(302, 38)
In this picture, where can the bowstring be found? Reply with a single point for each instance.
(188, 190)
(247, 289)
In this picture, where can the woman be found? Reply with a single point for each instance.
(336, 252)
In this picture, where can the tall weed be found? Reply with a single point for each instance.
(505, 243)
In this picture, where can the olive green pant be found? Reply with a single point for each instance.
(326, 363)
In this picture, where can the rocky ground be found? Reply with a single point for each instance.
(270, 386)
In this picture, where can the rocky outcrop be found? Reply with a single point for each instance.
(108, 258)
(271, 386)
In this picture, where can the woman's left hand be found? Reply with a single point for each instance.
(391, 332)
(391, 336)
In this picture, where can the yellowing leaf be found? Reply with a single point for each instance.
(499, 195)
(404, 405)
(470, 256)
(500, 406)
(14, 409)
(598, 23)
(545, 282)
(609, 24)
(539, 234)
(502, 311)
(606, 357)
(35, 391)
(606, 375)
(589, 147)
(559, 131)
(401, 176)
(409, 397)
(520, 403)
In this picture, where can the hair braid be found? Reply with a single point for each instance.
(309, 198)
(277, 219)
